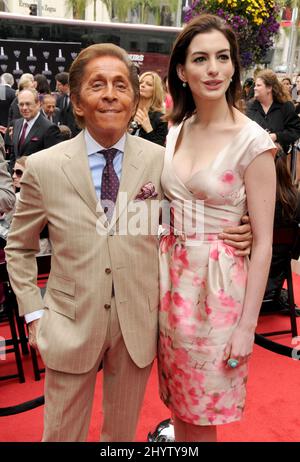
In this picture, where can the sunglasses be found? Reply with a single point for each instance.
(18, 172)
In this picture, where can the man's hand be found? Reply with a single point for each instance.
(32, 332)
(239, 237)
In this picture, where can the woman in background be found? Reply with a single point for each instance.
(273, 109)
(148, 123)
(287, 215)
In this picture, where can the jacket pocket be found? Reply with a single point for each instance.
(62, 284)
(61, 296)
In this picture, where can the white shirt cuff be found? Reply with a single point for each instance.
(33, 316)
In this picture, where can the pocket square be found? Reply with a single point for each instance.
(147, 192)
(34, 138)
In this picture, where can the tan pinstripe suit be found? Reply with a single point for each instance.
(57, 189)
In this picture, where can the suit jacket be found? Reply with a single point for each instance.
(87, 256)
(66, 115)
(7, 95)
(7, 193)
(43, 134)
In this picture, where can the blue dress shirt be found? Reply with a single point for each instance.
(97, 161)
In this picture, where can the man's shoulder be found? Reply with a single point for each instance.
(53, 155)
(153, 150)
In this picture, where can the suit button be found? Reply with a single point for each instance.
(107, 270)
(106, 224)
(107, 306)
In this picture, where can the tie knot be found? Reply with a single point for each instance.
(109, 154)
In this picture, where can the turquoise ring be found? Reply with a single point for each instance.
(233, 363)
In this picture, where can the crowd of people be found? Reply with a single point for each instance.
(115, 295)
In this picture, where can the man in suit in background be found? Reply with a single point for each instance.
(33, 132)
(7, 95)
(102, 297)
(49, 109)
(64, 103)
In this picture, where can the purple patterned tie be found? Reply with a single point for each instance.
(110, 183)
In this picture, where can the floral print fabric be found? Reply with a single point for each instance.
(202, 285)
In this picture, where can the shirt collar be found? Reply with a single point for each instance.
(93, 147)
(31, 121)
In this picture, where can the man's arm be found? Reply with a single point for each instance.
(7, 193)
(23, 242)
(239, 237)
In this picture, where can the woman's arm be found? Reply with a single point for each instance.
(260, 182)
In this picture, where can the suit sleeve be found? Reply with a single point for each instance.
(52, 136)
(7, 193)
(23, 242)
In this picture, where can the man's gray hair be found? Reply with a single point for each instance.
(7, 79)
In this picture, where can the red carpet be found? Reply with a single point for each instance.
(272, 408)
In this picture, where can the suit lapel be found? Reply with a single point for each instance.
(34, 132)
(77, 170)
(17, 132)
(132, 170)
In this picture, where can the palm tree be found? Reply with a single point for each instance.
(78, 8)
(119, 9)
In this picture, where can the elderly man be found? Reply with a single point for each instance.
(102, 296)
(49, 109)
(32, 132)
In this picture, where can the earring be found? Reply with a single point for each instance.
(230, 80)
(184, 84)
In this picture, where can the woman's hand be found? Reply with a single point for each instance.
(240, 345)
(142, 118)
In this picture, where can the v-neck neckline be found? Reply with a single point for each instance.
(211, 165)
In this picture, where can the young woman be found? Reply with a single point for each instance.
(219, 162)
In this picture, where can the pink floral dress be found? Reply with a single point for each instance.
(203, 283)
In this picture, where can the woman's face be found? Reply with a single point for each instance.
(261, 90)
(147, 87)
(286, 84)
(17, 174)
(208, 68)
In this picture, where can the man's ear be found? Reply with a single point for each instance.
(180, 72)
(76, 105)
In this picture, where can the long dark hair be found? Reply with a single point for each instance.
(286, 192)
(183, 102)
